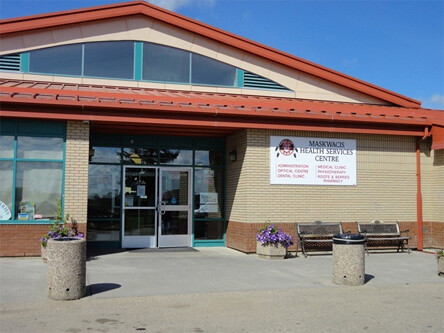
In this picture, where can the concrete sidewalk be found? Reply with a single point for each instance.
(222, 290)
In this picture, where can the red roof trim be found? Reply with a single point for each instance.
(199, 123)
(31, 92)
(438, 137)
(221, 113)
(23, 24)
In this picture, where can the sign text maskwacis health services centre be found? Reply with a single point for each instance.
(312, 161)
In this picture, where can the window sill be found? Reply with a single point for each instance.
(21, 222)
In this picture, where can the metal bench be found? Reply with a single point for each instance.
(380, 234)
(316, 232)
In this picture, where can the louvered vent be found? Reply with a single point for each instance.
(252, 80)
(10, 62)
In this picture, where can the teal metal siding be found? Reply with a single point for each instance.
(252, 80)
(10, 62)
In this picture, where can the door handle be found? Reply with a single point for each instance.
(160, 208)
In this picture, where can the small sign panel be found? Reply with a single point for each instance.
(208, 202)
(5, 213)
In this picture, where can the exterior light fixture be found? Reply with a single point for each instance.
(91, 153)
(233, 156)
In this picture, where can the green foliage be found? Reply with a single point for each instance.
(60, 227)
(58, 217)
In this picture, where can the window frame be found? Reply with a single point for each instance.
(37, 133)
(125, 141)
(138, 47)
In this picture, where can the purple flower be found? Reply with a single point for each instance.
(270, 235)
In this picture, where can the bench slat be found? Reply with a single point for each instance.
(317, 232)
(387, 238)
(378, 231)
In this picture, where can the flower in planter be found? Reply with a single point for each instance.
(58, 230)
(60, 227)
(439, 254)
(271, 235)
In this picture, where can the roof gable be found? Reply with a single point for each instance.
(52, 20)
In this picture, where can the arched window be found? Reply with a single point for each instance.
(132, 60)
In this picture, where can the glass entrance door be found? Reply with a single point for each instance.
(139, 202)
(156, 207)
(175, 207)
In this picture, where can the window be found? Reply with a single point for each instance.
(140, 156)
(212, 72)
(63, 60)
(29, 147)
(105, 155)
(208, 203)
(109, 154)
(31, 169)
(104, 200)
(6, 190)
(109, 59)
(209, 157)
(205, 230)
(132, 60)
(6, 146)
(208, 192)
(176, 156)
(38, 187)
(167, 64)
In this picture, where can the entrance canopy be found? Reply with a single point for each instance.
(111, 108)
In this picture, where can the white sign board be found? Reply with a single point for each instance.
(208, 202)
(5, 213)
(312, 161)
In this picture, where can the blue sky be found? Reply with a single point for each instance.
(396, 44)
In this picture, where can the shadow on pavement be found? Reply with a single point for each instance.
(98, 288)
(368, 277)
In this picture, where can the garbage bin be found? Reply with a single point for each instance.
(349, 259)
(66, 275)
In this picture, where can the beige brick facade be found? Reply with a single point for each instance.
(386, 183)
(76, 170)
(432, 181)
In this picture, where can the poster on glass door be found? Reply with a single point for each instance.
(312, 161)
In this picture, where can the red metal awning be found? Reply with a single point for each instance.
(117, 108)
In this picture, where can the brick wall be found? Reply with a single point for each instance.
(76, 170)
(386, 188)
(236, 180)
(18, 240)
(242, 236)
(432, 182)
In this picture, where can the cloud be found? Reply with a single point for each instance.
(438, 99)
(176, 4)
(349, 62)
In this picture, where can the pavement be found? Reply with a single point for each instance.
(223, 290)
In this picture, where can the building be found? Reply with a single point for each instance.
(157, 130)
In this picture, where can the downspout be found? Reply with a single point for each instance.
(419, 221)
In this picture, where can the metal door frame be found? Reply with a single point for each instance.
(140, 241)
(157, 240)
(175, 240)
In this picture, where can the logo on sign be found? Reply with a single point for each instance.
(286, 148)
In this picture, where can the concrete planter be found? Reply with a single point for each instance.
(66, 274)
(440, 265)
(270, 251)
(44, 253)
